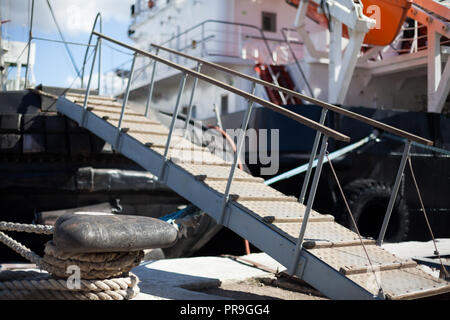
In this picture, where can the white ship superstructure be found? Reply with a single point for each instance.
(243, 33)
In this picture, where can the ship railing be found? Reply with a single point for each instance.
(251, 98)
(79, 74)
(323, 132)
(225, 40)
(409, 138)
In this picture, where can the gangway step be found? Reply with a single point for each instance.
(333, 260)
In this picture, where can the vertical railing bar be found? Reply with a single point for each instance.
(127, 92)
(172, 124)
(300, 69)
(312, 157)
(203, 40)
(393, 197)
(312, 194)
(30, 37)
(152, 85)
(191, 100)
(88, 88)
(240, 143)
(99, 64)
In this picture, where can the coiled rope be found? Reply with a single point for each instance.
(103, 276)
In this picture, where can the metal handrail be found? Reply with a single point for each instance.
(292, 115)
(263, 37)
(239, 24)
(98, 17)
(350, 114)
(327, 106)
(297, 63)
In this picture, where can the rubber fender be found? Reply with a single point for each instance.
(55, 124)
(33, 143)
(33, 123)
(80, 144)
(85, 233)
(368, 200)
(56, 144)
(10, 122)
(10, 143)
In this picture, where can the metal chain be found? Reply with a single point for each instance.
(354, 223)
(444, 270)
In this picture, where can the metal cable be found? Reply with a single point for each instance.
(444, 270)
(354, 223)
(62, 38)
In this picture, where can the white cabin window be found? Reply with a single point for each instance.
(269, 21)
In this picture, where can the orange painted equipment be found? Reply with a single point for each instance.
(389, 14)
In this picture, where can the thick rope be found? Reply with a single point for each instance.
(30, 228)
(103, 276)
(91, 265)
(443, 269)
(354, 224)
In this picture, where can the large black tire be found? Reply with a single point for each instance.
(368, 201)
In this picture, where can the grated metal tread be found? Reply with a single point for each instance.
(73, 95)
(328, 232)
(192, 156)
(250, 191)
(411, 283)
(212, 172)
(113, 118)
(339, 248)
(112, 111)
(159, 139)
(282, 211)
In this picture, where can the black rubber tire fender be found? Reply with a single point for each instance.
(368, 200)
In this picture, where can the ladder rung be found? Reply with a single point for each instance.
(383, 267)
(330, 244)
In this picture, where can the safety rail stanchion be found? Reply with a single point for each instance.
(299, 67)
(30, 37)
(241, 142)
(99, 64)
(398, 180)
(191, 100)
(98, 17)
(172, 125)
(152, 86)
(312, 194)
(312, 157)
(251, 97)
(88, 88)
(125, 101)
(347, 113)
(203, 41)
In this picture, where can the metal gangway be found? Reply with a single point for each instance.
(334, 260)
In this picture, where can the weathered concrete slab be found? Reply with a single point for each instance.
(172, 278)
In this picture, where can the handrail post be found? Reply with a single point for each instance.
(88, 88)
(393, 197)
(99, 64)
(240, 143)
(172, 125)
(299, 67)
(203, 40)
(97, 17)
(125, 101)
(30, 37)
(152, 86)
(312, 194)
(312, 157)
(191, 100)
